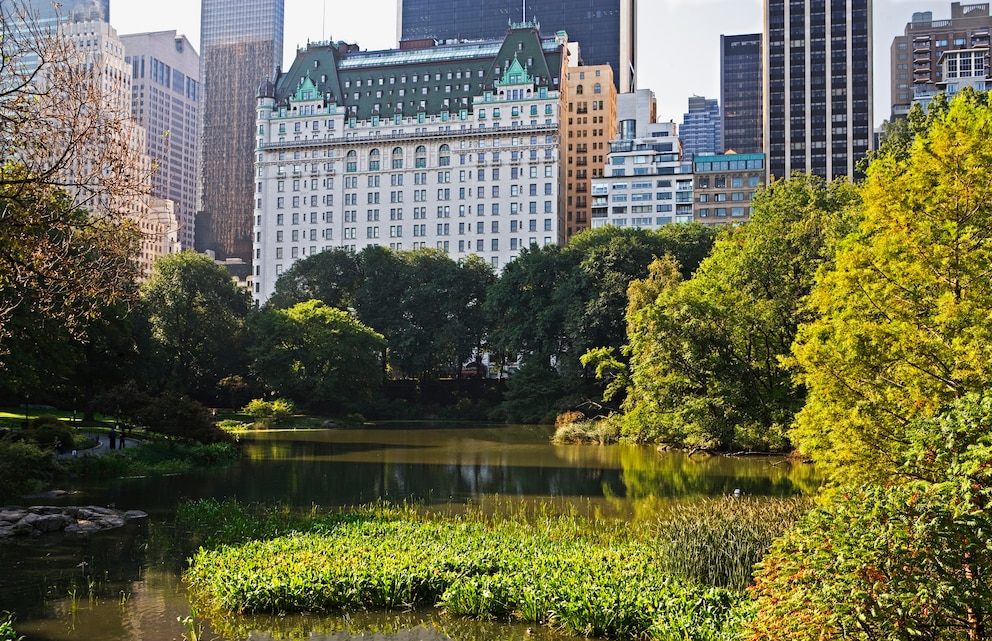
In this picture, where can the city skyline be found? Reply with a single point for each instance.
(666, 29)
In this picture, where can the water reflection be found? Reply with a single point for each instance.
(124, 585)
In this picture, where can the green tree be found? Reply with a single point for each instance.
(332, 277)
(902, 319)
(313, 353)
(907, 560)
(196, 315)
(705, 352)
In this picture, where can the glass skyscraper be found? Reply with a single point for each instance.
(818, 86)
(240, 45)
(740, 93)
(604, 29)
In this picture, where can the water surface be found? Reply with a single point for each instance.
(124, 585)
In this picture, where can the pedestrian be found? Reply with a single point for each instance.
(113, 437)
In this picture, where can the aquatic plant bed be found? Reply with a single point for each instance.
(602, 579)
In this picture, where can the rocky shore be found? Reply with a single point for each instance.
(39, 520)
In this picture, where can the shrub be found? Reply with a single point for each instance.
(910, 559)
(46, 431)
(24, 468)
(270, 412)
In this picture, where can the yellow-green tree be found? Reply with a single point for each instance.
(904, 316)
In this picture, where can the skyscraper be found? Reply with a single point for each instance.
(740, 93)
(818, 86)
(240, 42)
(604, 29)
(165, 100)
(700, 131)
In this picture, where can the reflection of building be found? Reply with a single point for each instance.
(453, 147)
(165, 73)
(604, 28)
(240, 42)
(646, 184)
(818, 86)
(590, 127)
(725, 185)
(915, 55)
(700, 131)
(740, 93)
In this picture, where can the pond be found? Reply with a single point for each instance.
(124, 585)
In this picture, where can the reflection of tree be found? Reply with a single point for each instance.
(647, 474)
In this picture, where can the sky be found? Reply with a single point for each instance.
(678, 41)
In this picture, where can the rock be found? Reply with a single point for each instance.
(82, 527)
(12, 515)
(39, 520)
(52, 522)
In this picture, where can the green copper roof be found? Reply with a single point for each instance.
(384, 83)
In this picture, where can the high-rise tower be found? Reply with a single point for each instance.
(165, 100)
(740, 93)
(604, 29)
(240, 42)
(818, 86)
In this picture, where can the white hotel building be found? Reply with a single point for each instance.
(455, 147)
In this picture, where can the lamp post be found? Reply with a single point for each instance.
(27, 403)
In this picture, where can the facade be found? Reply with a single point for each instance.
(725, 185)
(700, 131)
(958, 69)
(604, 28)
(915, 55)
(453, 147)
(646, 185)
(105, 51)
(165, 100)
(591, 125)
(240, 42)
(740, 93)
(817, 86)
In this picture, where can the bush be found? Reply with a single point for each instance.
(46, 431)
(910, 559)
(270, 413)
(24, 468)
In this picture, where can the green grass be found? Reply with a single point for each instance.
(590, 577)
(14, 416)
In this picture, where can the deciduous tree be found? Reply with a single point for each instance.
(902, 318)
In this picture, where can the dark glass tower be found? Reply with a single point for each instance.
(604, 29)
(240, 43)
(740, 93)
(818, 86)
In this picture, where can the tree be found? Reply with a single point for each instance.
(196, 315)
(705, 352)
(71, 175)
(907, 560)
(313, 353)
(332, 277)
(902, 318)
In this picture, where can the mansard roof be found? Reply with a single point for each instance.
(369, 83)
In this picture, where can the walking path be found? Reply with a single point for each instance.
(103, 444)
